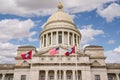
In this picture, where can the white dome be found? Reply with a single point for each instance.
(60, 16)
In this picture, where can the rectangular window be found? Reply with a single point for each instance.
(60, 37)
(44, 40)
(75, 39)
(42, 77)
(69, 77)
(70, 39)
(23, 77)
(49, 38)
(110, 78)
(97, 77)
(51, 77)
(10, 78)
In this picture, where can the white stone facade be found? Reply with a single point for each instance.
(60, 31)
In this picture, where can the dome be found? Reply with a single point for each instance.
(60, 15)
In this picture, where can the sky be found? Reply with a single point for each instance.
(21, 22)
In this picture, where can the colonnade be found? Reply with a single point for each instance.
(59, 37)
(73, 75)
(5, 76)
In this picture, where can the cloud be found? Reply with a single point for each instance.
(111, 12)
(8, 52)
(16, 29)
(111, 41)
(47, 7)
(112, 56)
(88, 33)
(117, 50)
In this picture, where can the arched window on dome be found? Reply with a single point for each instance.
(59, 37)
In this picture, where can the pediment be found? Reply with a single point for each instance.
(95, 63)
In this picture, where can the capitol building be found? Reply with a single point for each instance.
(60, 31)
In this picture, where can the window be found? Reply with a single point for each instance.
(70, 39)
(23, 77)
(59, 37)
(42, 77)
(69, 77)
(10, 78)
(51, 77)
(97, 77)
(110, 78)
(78, 40)
(75, 39)
(78, 76)
(44, 40)
(49, 38)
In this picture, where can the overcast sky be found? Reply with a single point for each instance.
(22, 20)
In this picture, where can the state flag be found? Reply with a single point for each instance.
(27, 55)
(70, 51)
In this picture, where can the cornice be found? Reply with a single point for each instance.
(22, 67)
(98, 57)
(98, 66)
(62, 64)
(76, 30)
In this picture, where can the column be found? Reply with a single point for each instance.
(68, 38)
(56, 37)
(55, 74)
(43, 40)
(117, 76)
(64, 74)
(3, 76)
(51, 37)
(34, 75)
(46, 74)
(76, 40)
(73, 74)
(62, 37)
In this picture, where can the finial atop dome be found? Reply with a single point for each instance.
(60, 6)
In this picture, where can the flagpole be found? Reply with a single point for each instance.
(76, 66)
(60, 63)
(31, 66)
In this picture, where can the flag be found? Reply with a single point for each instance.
(70, 51)
(54, 51)
(27, 55)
